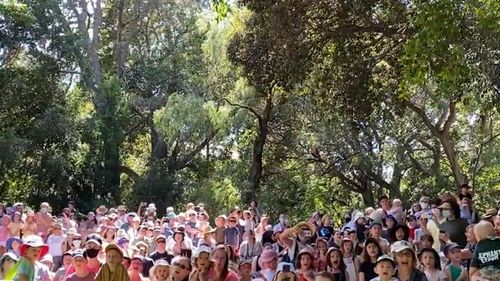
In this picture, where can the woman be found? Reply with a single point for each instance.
(371, 252)
(326, 231)
(406, 261)
(29, 227)
(453, 225)
(261, 228)
(109, 235)
(250, 247)
(221, 271)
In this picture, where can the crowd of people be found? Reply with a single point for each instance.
(443, 239)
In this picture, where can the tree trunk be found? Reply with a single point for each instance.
(258, 151)
(367, 195)
(451, 154)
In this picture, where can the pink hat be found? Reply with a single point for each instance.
(268, 256)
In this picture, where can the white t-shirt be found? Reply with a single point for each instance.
(55, 245)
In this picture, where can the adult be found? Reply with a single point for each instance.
(371, 252)
(296, 239)
(269, 260)
(375, 233)
(250, 247)
(282, 223)
(44, 219)
(467, 210)
(453, 225)
(29, 227)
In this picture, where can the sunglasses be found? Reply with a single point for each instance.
(180, 265)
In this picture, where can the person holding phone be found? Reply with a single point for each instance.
(296, 239)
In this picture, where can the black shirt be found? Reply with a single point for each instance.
(368, 269)
(163, 256)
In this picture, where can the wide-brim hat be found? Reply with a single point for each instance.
(158, 263)
(114, 247)
(102, 209)
(490, 213)
(268, 256)
(12, 240)
(208, 230)
(34, 241)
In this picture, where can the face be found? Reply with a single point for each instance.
(160, 244)
(338, 235)
(405, 258)
(67, 260)
(376, 230)
(245, 269)
(335, 258)
(454, 255)
(15, 245)
(33, 253)
(321, 247)
(220, 258)
(428, 260)
(305, 261)
(232, 221)
(321, 278)
(384, 203)
(389, 222)
(372, 250)
(203, 260)
(181, 270)
(385, 269)
(79, 262)
(113, 257)
(136, 264)
(497, 225)
(426, 243)
(7, 264)
(178, 237)
(400, 234)
(92, 245)
(162, 272)
(347, 247)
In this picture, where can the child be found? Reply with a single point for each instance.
(202, 262)
(79, 262)
(31, 251)
(245, 270)
(220, 223)
(371, 252)
(321, 248)
(385, 269)
(305, 268)
(160, 271)
(335, 264)
(431, 263)
(351, 263)
(454, 269)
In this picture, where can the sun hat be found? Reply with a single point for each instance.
(202, 249)
(47, 258)
(490, 213)
(72, 231)
(9, 255)
(158, 263)
(12, 240)
(34, 241)
(101, 210)
(161, 237)
(268, 256)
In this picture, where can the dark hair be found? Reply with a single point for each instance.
(427, 237)
(455, 208)
(225, 270)
(326, 274)
(342, 265)
(437, 259)
(369, 241)
(299, 256)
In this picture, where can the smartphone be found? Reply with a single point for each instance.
(286, 268)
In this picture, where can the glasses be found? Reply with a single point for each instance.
(181, 266)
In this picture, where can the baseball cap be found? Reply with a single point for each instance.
(385, 258)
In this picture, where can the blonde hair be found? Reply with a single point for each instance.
(483, 230)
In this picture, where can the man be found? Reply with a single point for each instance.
(161, 251)
(79, 264)
(384, 203)
(490, 215)
(129, 221)
(467, 211)
(376, 233)
(486, 260)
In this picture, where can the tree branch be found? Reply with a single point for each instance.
(251, 109)
(451, 118)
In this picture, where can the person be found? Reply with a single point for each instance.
(326, 230)
(320, 250)
(31, 251)
(232, 234)
(55, 241)
(202, 263)
(406, 261)
(221, 269)
(67, 260)
(245, 270)
(113, 269)
(485, 261)
(181, 268)
(179, 243)
(13, 244)
(371, 252)
(296, 239)
(79, 263)
(220, 228)
(16, 225)
(44, 219)
(399, 232)
(454, 270)
(304, 265)
(470, 248)
(282, 224)
(335, 264)
(269, 260)
(136, 267)
(160, 271)
(92, 250)
(250, 247)
(161, 252)
(375, 233)
(453, 225)
(207, 237)
(7, 262)
(324, 276)
(467, 210)
(350, 261)
(431, 263)
(385, 269)
(29, 227)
